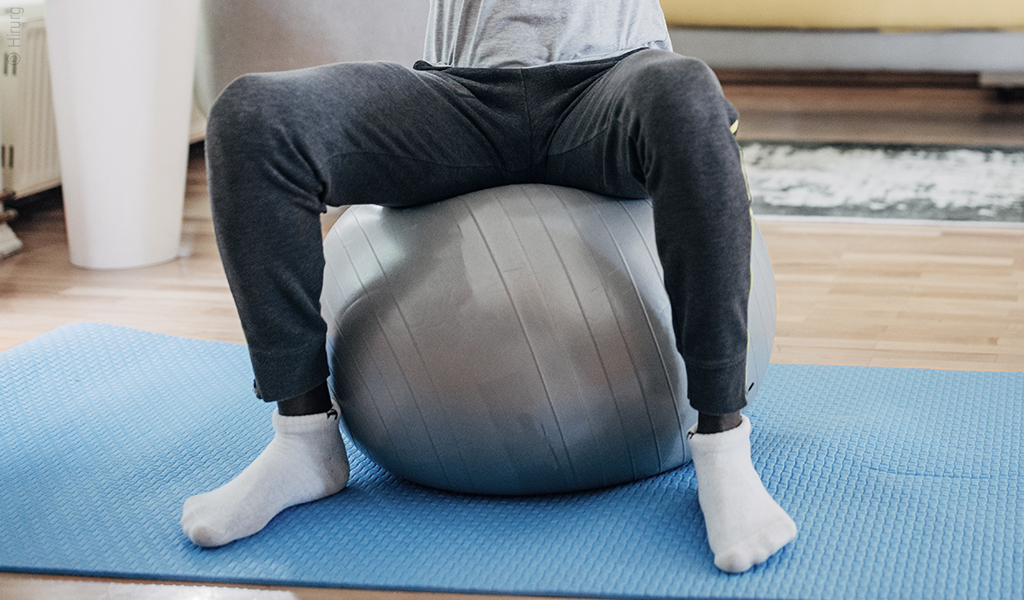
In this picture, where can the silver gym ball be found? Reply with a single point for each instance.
(515, 340)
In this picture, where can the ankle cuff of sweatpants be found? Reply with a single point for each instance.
(717, 391)
(284, 375)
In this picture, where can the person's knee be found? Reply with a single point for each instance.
(673, 73)
(244, 132)
(677, 90)
(241, 110)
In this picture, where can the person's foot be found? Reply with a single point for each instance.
(305, 461)
(745, 525)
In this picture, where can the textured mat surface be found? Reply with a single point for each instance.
(904, 483)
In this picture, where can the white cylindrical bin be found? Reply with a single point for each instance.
(122, 73)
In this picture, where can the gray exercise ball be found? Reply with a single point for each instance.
(515, 340)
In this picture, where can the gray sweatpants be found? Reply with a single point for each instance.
(282, 146)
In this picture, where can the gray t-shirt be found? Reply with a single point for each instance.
(527, 33)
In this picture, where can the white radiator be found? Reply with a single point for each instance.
(28, 133)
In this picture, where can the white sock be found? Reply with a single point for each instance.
(745, 525)
(305, 461)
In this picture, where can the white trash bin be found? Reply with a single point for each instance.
(122, 74)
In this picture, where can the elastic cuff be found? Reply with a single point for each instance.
(717, 391)
(281, 376)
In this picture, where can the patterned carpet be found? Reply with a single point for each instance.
(886, 181)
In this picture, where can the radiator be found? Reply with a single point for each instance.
(28, 133)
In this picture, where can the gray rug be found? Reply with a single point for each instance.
(885, 181)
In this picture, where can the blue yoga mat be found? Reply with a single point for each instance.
(904, 483)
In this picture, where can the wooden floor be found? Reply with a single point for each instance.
(907, 295)
(945, 111)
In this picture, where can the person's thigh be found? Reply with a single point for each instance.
(643, 123)
(354, 133)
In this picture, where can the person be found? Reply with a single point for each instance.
(577, 93)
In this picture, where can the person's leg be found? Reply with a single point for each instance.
(657, 124)
(280, 148)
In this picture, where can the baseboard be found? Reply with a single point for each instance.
(951, 52)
